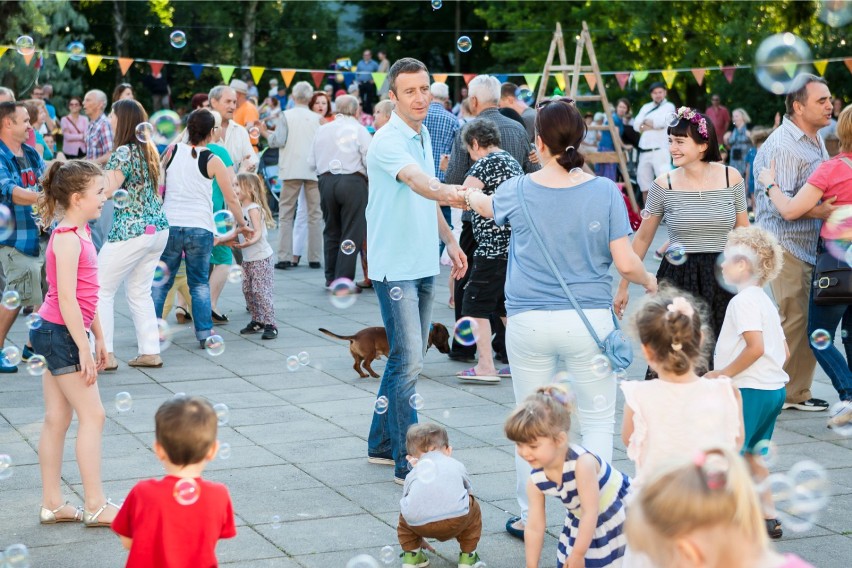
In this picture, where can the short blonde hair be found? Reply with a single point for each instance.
(742, 111)
(385, 106)
(767, 252)
(844, 129)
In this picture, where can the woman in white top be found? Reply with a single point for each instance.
(188, 204)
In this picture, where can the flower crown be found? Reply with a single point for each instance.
(694, 117)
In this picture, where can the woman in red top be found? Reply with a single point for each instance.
(833, 178)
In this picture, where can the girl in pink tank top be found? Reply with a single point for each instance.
(73, 195)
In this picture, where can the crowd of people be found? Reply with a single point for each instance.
(531, 255)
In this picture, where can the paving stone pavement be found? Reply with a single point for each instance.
(299, 450)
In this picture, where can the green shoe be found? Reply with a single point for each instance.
(415, 559)
(468, 559)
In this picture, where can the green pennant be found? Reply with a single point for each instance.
(790, 68)
(227, 71)
(62, 59)
(532, 80)
(379, 79)
(640, 76)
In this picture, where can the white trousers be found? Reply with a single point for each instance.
(535, 341)
(133, 262)
(651, 166)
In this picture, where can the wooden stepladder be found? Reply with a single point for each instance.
(592, 73)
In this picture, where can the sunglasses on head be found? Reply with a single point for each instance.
(544, 103)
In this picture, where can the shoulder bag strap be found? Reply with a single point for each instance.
(553, 269)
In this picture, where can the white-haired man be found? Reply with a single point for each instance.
(99, 139)
(223, 99)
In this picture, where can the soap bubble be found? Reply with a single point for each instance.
(837, 232)
(235, 274)
(839, 417)
(599, 402)
(7, 222)
(214, 345)
(144, 132)
(11, 300)
(812, 487)
(186, 491)
(779, 60)
(122, 153)
(25, 45)
(121, 198)
(33, 321)
(223, 413)
(167, 126)
(820, 339)
(466, 331)
(6, 464)
(224, 451)
(123, 402)
(601, 365)
(338, 116)
(347, 247)
(11, 354)
(416, 402)
(434, 184)
(224, 223)
(342, 293)
(672, 119)
(526, 96)
(292, 363)
(792, 504)
(17, 556)
(388, 554)
(347, 139)
(436, 5)
(464, 44)
(37, 365)
(835, 13)
(161, 274)
(254, 132)
(362, 561)
(676, 254)
(767, 452)
(178, 39)
(645, 214)
(426, 470)
(335, 167)
(594, 226)
(395, 293)
(304, 358)
(77, 50)
(381, 405)
(276, 522)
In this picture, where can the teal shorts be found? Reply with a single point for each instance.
(222, 255)
(760, 410)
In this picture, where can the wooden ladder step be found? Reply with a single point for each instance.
(583, 69)
(587, 98)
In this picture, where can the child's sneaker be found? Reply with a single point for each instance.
(415, 559)
(269, 332)
(468, 559)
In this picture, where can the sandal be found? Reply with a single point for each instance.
(773, 528)
(505, 373)
(48, 517)
(181, 315)
(470, 375)
(91, 519)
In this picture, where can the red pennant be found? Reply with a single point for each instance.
(729, 73)
(156, 66)
(468, 77)
(699, 75)
(318, 76)
(848, 63)
(622, 79)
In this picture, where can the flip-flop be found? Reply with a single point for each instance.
(505, 373)
(470, 375)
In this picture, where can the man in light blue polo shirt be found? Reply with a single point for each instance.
(403, 223)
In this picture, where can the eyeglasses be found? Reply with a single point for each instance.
(544, 103)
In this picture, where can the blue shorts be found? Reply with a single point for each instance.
(53, 342)
(760, 410)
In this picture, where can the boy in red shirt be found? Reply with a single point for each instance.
(175, 522)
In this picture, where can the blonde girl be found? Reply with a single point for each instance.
(74, 194)
(704, 513)
(257, 257)
(590, 488)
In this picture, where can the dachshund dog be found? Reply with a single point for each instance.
(371, 343)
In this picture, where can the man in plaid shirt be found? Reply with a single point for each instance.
(98, 147)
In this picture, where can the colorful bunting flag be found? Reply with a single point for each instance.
(820, 65)
(156, 67)
(438, 77)
(669, 77)
(3, 50)
(468, 77)
(532, 80)
(197, 68)
(848, 63)
(62, 59)
(729, 73)
(591, 80)
(93, 61)
(257, 73)
(379, 79)
(790, 68)
(622, 79)
(560, 80)
(287, 75)
(227, 71)
(124, 64)
(640, 76)
(699, 75)
(318, 77)
(502, 78)
(39, 61)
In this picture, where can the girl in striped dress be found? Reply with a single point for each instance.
(590, 488)
(702, 201)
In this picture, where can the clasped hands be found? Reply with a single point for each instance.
(455, 197)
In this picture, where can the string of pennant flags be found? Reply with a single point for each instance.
(319, 75)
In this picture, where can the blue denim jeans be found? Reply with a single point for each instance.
(197, 245)
(830, 359)
(407, 322)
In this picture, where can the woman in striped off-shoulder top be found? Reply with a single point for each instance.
(702, 200)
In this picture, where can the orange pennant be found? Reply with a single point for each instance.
(287, 75)
(591, 80)
(440, 77)
(699, 75)
(848, 63)
(124, 63)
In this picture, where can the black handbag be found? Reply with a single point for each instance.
(832, 276)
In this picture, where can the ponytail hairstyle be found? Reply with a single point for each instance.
(129, 114)
(199, 125)
(713, 490)
(60, 183)
(669, 324)
(252, 187)
(562, 129)
(545, 414)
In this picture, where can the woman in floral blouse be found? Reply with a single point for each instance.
(138, 237)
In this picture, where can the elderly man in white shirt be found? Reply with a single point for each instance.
(652, 122)
(223, 99)
(339, 156)
(294, 134)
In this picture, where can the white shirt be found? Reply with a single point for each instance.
(655, 137)
(344, 140)
(301, 125)
(238, 145)
(753, 310)
(189, 195)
